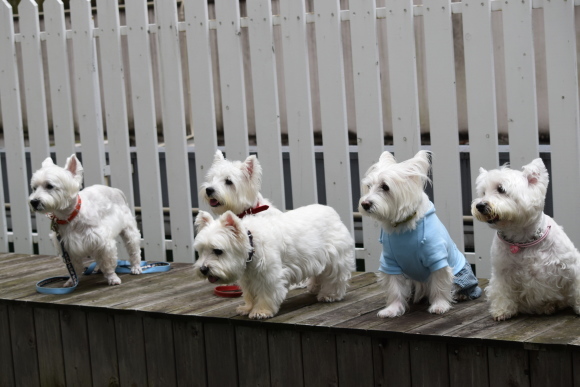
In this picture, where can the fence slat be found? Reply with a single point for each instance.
(141, 75)
(13, 134)
(442, 100)
(333, 110)
(403, 78)
(87, 92)
(298, 102)
(266, 109)
(35, 100)
(58, 75)
(201, 88)
(520, 82)
(113, 79)
(369, 117)
(174, 131)
(232, 79)
(481, 111)
(561, 66)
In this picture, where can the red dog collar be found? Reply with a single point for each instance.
(72, 215)
(255, 210)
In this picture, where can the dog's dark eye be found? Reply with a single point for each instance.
(229, 182)
(500, 189)
(48, 186)
(217, 251)
(385, 187)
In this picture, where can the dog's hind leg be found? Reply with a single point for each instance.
(106, 258)
(131, 237)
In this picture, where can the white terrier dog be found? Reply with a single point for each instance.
(88, 221)
(267, 254)
(417, 249)
(535, 266)
(235, 186)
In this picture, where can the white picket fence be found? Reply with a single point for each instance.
(329, 20)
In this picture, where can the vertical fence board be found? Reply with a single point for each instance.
(369, 116)
(319, 359)
(333, 110)
(113, 78)
(3, 225)
(75, 345)
(298, 102)
(13, 134)
(232, 79)
(468, 366)
(355, 360)
(481, 110)
(561, 67)
(252, 353)
(220, 354)
(266, 109)
(391, 361)
(23, 345)
(201, 88)
(141, 75)
(520, 81)
(103, 349)
(551, 368)
(442, 100)
(35, 100)
(131, 350)
(87, 93)
(508, 364)
(429, 363)
(59, 78)
(403, 78)
(174, 130)
(285, 352)
(189, 353)
(159, 352)
(49, 347)
(6, 365)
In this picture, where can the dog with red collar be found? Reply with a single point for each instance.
(86, 221)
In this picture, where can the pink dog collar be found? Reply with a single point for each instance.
(516, 247)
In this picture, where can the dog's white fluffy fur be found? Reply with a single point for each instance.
(539, 279)
(234, 186)
(103, 216)
(391, 193)
(307, 243)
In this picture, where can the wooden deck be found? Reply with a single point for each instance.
(165, 329)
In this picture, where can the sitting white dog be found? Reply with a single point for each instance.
(235, 186)
(267, 254)
(535, 267)
(88, 221)
(417, 249)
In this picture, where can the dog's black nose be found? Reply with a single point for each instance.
(204, 270)
(209, 191)
(34, 203)
(366, 205)
(482, 207)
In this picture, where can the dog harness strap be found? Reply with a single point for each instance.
(516, 247)
(251, 254)
(72, 215)
(255, 210)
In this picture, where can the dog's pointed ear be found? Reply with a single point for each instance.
(219, 156)
(253, 169)
(536, 172)
(387, 157)
(74, 166)
(47, 162)
(202, 220)
(482, 170)
(422, 160)
(231, 222)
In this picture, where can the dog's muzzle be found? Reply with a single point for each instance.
(36, 204)
(367, 205)
(483, 208)
(212, 202)
(205, 271)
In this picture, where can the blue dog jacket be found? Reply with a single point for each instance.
(418, 253)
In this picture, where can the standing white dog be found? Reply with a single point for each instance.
(535, 268)
(267, 254)
(417, 249)
(235, 186)
(88, 221)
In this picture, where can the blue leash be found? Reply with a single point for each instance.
(123, 267)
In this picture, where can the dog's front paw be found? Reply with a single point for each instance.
(244, 310)
(114, 280)
(260, 314)
(503, 317)
(136, 269)
(439, 307)
(396, 309)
